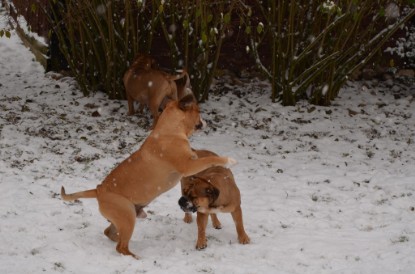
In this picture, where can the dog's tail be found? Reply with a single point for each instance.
(92, 193)
(182, 74)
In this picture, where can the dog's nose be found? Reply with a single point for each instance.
(186, 205)
(183, 202)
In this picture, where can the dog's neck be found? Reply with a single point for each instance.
(176, 126)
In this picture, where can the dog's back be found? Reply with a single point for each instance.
(215, 175)
(212, 170)
(151, 87)
(208, 192)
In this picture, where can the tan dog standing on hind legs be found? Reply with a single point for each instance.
(209, 192)
(162, 160)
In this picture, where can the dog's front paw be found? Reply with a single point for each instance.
(201, 244)
(231, 162)
(188, 218)
(244, 239)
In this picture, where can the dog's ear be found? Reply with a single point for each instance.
(186, 189)
(186, 102)
(212, 193)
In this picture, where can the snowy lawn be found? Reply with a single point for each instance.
(324, 189)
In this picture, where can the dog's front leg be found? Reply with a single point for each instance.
(215, 221)
(243, 238)
(193, 166)
(202, 220)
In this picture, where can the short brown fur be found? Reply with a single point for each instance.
(162, 160)
(151, 87)
(212, 191)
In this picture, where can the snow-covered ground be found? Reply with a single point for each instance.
(324, 189)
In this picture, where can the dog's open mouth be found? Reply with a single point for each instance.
(186, 205)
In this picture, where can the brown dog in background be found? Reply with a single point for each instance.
(163, 159)
(209, 192)
(150, 87)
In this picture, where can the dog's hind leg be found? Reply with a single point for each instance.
(130, 105)
(111, 232)
(140, 213)
(155, 113)
(121, 213)
(243, 238)
(215, 221)
(155, 103)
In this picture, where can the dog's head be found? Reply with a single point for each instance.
(199, 194)
(192, 121)
(183, 116)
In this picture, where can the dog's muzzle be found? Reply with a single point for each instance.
(186, 205)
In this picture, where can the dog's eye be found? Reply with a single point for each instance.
(212, 193)
(209, 191)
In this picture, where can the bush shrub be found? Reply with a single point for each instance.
(306, 48)
(99, 38)
(316, 45)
